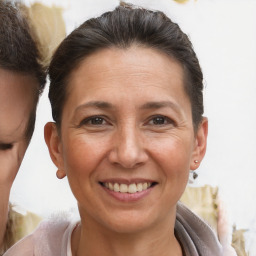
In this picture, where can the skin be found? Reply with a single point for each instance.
(144, 132)
(16, 104)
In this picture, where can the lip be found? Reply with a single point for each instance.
(127, 197)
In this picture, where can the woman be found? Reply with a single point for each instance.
(126, 96)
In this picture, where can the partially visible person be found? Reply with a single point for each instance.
(22, 79)
(28, 36)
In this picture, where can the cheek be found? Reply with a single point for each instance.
(81, 156)
(9, 168)
(174, 156)
(10, 163)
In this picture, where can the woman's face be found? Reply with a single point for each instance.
(16, 104)
(127, 140)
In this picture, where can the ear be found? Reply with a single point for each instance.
(200, 144)
(53, 142)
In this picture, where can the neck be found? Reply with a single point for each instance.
(4, 204)
(91, 239)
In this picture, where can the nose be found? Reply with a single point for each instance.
(128, 150)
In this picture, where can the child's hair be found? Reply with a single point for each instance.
(19, 52)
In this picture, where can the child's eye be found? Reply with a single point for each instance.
(6, 146)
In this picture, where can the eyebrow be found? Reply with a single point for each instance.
(161, 104)
(97, 104)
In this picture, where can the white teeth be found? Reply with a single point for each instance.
(124, 188)
(116, 187)
(132, 188)
(139, 187)
(110, 186)
(144, 185)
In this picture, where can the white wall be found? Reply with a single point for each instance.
(224, 37)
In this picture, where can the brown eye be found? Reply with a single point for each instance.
(94, 121)
(160, 120)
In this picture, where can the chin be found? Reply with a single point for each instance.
(131, 223)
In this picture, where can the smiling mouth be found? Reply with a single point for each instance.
(128, 188)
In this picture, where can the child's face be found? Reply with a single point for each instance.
(16, 104)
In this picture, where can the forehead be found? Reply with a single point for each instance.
(17, 94)
(125, 68)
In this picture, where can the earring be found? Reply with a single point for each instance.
(195, 175)
(192, 176)
(60, 174)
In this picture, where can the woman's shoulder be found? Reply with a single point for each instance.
(194, 234)
(50, 238)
